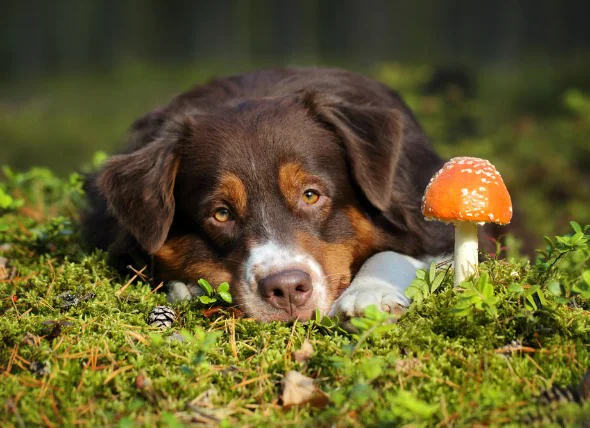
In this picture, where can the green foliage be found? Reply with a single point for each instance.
(555, 251)
(566, 253)
(477, 295)
(211, 296)
(425, 284)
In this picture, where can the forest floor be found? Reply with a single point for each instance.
(510, 347)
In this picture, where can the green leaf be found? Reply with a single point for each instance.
(206, 300)
(225, 296)
(437, 282)
(575, 225)
(586, 276)
(432, 272)
(485, 287)
(327, 322)
(416, 291)
(205, 286)
(554, 288)
(516, 288)
(223, 287)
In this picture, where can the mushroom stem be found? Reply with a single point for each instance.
(465, 250)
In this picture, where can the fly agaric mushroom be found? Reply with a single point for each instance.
(467, 192)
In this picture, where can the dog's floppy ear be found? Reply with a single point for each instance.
(138, 188)
(372, 137)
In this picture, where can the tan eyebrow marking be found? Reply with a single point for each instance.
(292, 178)
(232, 189)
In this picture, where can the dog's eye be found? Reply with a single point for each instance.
(310, 197)
(222, 215)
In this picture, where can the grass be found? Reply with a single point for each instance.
(76, 348)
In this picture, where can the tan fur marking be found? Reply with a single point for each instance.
(174, 263)
(292, 178)
(232, 189)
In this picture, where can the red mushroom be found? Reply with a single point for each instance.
(467, 192)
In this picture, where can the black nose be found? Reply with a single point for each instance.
(286, 290)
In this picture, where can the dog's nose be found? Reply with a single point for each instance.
(286, 290)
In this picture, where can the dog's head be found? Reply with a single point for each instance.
(274, 195)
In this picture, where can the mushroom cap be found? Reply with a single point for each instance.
(467, 189)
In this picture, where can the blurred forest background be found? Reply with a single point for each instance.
(504, 80)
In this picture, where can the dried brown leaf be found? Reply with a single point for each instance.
(304, 354)
(299, 389)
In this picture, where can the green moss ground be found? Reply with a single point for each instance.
(89, 358)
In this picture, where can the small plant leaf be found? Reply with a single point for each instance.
(225, 296)
(432, 272)
(204, 284)
(437, 282)
(223, 287)
(554, 288)
(576, 226)
(206, 300)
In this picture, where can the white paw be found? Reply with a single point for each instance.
(381, 281)
(177, 291)
(353, 304)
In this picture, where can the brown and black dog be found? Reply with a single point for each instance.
(283, 182)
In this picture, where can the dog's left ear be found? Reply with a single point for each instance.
(372, 137)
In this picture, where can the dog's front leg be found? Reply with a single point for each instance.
(381, 281)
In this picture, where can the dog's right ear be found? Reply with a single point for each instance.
(139, 190)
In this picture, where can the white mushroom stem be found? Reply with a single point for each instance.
(465, 250)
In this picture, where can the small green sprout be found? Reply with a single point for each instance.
(425, 284)
(212, 296)
(477, 295)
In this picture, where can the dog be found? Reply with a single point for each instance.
(301, 187)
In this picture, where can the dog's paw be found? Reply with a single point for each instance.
(381, 281)
(353, 302)
(177, 291)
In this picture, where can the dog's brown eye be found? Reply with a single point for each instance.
(310, 197)
(222, 215)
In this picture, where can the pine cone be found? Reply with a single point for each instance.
(162, 317)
